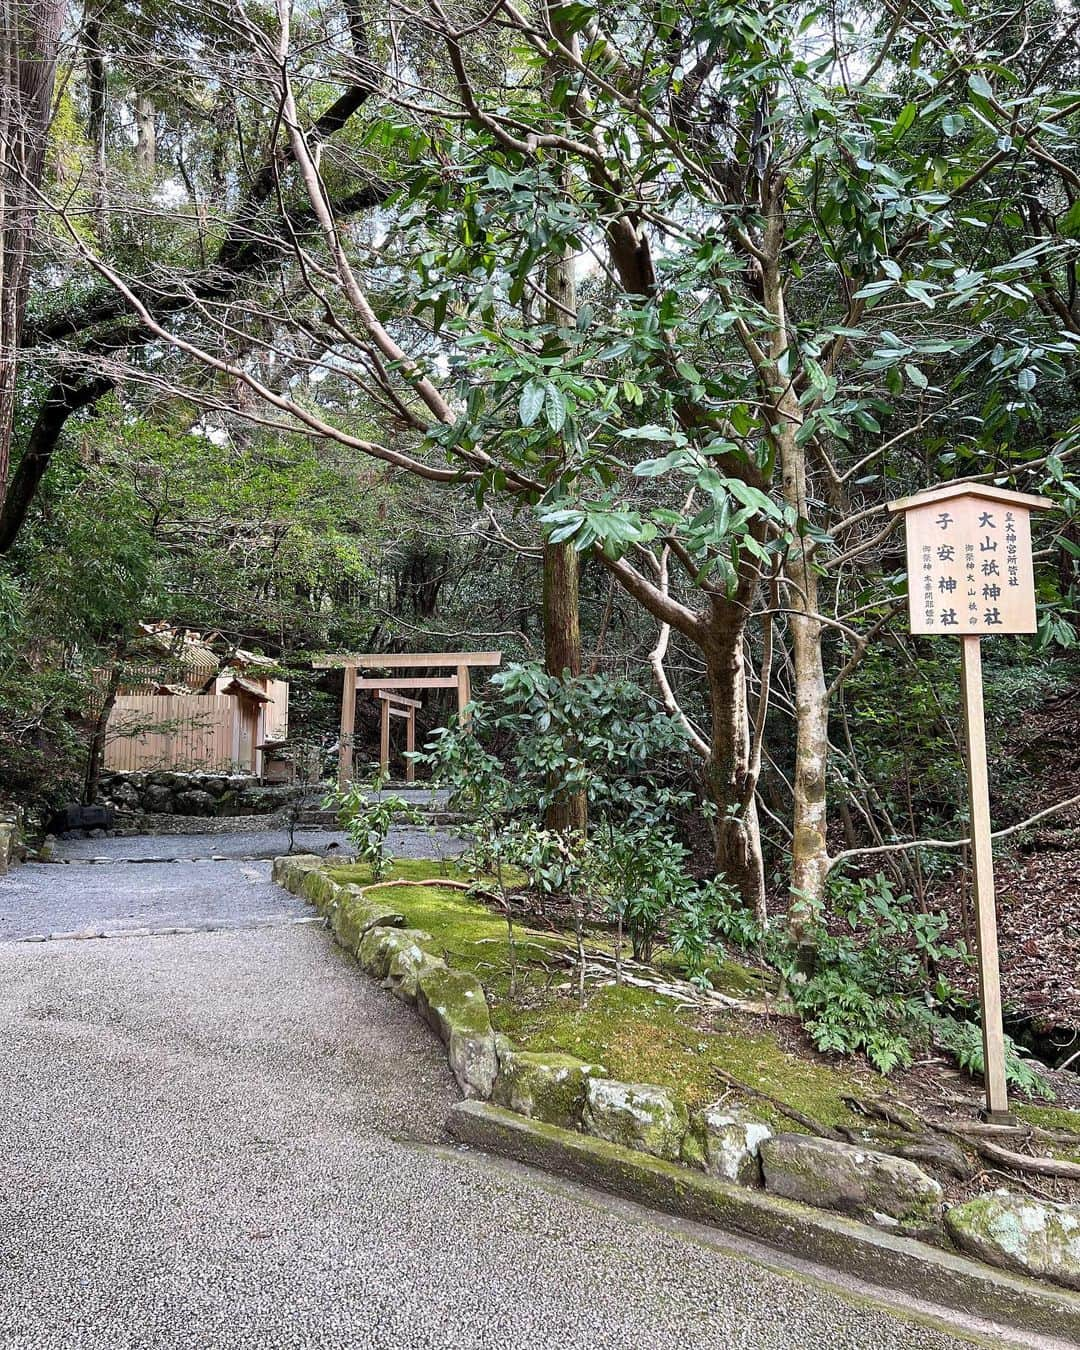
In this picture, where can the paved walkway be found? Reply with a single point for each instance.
(229, 1138)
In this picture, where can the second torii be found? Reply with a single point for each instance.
(392, 704)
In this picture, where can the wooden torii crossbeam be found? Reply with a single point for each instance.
(352, 662)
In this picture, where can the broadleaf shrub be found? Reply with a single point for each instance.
(367, 815)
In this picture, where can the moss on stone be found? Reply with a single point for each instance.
(452, 1003)
(878, 1188)
(354, 914)
(453, 999)
(320, 889)
(548, 1087)
(726, 1142)
(640, 1116)
(881, 1258)
(407, 966)
(473, 1062)
(379, 947)
(1017, 1232)
(288, 871)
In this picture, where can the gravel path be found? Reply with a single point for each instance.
(162, 883)
(429, 842)
(231, 1139)
(41, 900)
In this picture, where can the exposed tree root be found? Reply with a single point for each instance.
(934, 1152)
(1023, 1162)
(443, 882)
(935, 1135)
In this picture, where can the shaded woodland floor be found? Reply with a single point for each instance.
(1038, 883)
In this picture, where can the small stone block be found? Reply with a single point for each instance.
(641, 1116)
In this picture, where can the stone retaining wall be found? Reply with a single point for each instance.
(160, 792)
(12, 838)
(1015, 1233)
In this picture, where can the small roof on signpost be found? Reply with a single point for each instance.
(984, 490)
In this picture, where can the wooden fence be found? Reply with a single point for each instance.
(171, 731)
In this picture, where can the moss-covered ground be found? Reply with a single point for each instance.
(1053, 1118)
(636, 1034)
(1049, 1117)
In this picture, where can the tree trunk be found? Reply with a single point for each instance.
(809, 846)
(809, 851)
(146, 125)
(731, 767)
(29, 42)
(738, 838)
(561, 588)
(97, 108)
(562, 620)
(96, 751)
(562, 655)
(64, 398)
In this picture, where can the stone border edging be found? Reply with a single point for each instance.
(880, 1258)
(637, 1139)
(452, 1002)
(12, 843)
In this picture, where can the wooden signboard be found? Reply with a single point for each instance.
(969, 560)
(969, 574)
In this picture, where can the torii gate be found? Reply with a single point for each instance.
(392, 704)
(459, 662)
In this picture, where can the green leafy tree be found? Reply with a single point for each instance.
(816, 262)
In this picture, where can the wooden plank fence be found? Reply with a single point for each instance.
(171, 731)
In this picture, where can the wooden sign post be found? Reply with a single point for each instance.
(970, 573)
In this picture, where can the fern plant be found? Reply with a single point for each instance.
(874, 988)
(963, 1040)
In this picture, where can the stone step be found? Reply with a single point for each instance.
(430, 815)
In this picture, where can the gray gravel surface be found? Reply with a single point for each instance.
(225, 1139)
(201, 881)
(428, 842)
(42, 899)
